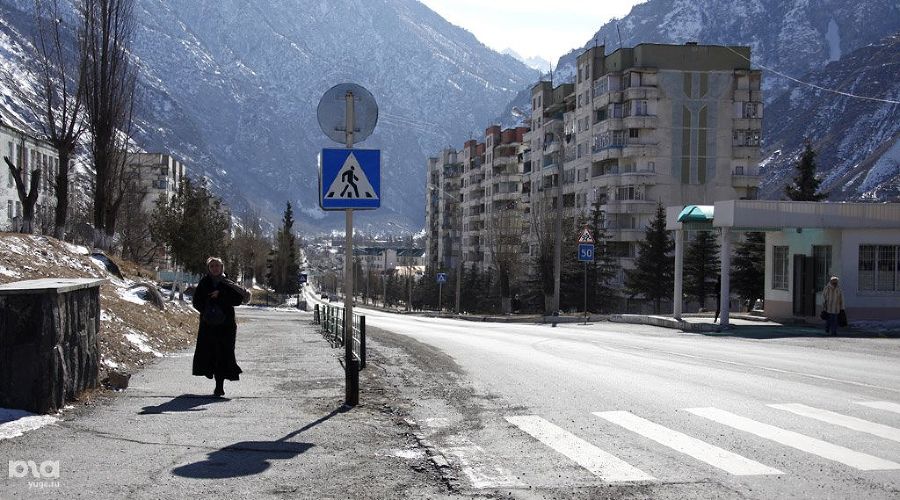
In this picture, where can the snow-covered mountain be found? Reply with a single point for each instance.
(535, 62)
(857, 140)
(232, 88)
(839, 44)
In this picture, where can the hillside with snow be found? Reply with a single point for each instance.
(232, 88)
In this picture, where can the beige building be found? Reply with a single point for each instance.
(653, 124)
(155, 175)
(26, 151)
(669, 124)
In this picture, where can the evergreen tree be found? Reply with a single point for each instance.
(805, 186)
(654, 268)
(193, 225)
(601, 296)
(285, 267)
(748, 272)
(701, 267)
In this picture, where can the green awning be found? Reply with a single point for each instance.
(696, 213)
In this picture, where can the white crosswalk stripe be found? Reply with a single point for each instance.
(796, 440)
(830, 417)
(713, 455)
(592, 458)
(881, 405)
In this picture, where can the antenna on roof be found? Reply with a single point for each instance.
(620, 34)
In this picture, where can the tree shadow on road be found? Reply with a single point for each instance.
(250, 457)
(185, 402)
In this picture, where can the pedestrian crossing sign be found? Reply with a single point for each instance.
(349, 178)
(586, 236)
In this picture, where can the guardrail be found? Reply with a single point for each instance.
(331, 318)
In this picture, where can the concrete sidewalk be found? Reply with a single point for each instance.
(279, 432)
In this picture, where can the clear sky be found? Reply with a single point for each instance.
(545, 28)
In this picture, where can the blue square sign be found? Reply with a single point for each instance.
(441, 278)
(586, 252)
(349, 178)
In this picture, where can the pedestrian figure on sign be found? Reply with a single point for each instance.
(350, 178)
(833, 304)
(215, 298)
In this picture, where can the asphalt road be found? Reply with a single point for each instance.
(612, 410)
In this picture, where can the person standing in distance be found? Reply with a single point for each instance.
(833, 303)
(215, 298)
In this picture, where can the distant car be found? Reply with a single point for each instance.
(325, 296)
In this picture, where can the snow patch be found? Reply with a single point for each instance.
(14, 423)
(886, 167)
(833, 37)
(141, 342)
(131, 296)
(9, 272)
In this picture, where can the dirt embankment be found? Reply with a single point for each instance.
(133, 331)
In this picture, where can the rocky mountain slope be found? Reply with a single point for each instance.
(836, 44)
(232, 88)
(857, 140)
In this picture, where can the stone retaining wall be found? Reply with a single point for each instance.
(49, 342)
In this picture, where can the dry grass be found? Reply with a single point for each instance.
(131, 334)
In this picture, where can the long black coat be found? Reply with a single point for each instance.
(214, 355)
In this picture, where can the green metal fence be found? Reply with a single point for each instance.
(331, 318)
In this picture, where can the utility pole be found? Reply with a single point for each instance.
(557, 247)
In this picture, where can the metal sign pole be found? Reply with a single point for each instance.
(351, 366)
(585, 293)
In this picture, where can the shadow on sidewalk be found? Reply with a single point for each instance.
(185, 402)
(249, 457)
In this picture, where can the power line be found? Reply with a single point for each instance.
(813, 85)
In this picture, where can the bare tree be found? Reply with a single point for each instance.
(109, 98)
(505, 244)
(59, 99)
(18, 166)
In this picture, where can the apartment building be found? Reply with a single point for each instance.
(670, 124)
(155, 175)
(26, 151)
(443, 214)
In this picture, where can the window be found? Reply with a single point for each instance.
(878, 266)
(633, 133)
(780, 268)
(821, 265)
(751, 110)
(9, 209)
(640, 108)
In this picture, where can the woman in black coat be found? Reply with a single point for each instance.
(214, 355)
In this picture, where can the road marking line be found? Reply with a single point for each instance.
(705, 452)
(881, 405)
(599, 462)
(796, 440)
(830, 417)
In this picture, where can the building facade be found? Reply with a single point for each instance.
(155, 176)
(32, 154)
(653, 124)
(642, 126)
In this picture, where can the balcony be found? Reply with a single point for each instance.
(743, 95)
(604, 100)
(641, 121)
(630, 207)
(614, 123)
(641, 93)
(600, 153)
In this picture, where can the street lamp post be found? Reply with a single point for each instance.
(557, 246)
